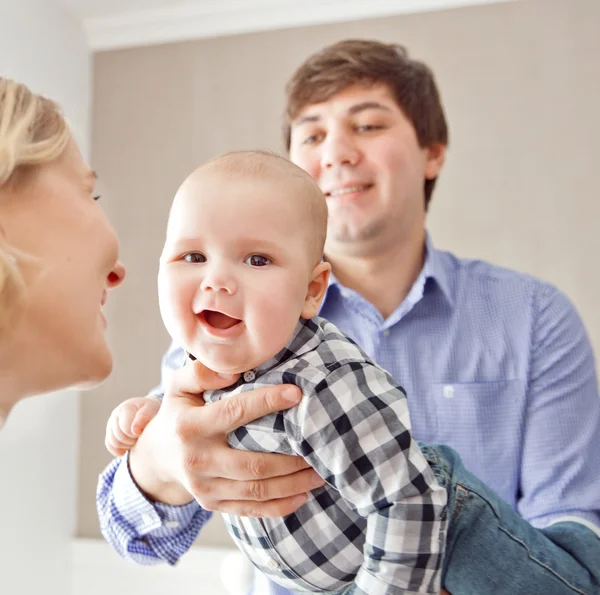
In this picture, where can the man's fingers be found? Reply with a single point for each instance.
(282, 487)
(261, 490)
(240, 465)
(229, 414)
(194, 378)
(272, 508)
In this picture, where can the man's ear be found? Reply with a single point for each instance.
(436, 156)
(316, 290)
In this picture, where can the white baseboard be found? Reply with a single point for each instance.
(97, 570)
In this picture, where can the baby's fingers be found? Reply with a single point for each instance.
(125, 416)
(117, 444)
(143, 416)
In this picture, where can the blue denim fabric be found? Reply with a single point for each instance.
(491, 550)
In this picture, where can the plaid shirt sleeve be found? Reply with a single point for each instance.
(355, 431)
(141, 531)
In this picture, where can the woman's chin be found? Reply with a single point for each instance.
(96, 373)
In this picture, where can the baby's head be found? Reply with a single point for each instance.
(242, 261)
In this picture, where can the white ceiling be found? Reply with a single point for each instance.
(111, 24)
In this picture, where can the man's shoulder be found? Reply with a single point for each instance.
(481, 276)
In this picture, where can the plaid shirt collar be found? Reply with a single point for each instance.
(307, 336)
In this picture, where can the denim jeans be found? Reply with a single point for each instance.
(492, 550)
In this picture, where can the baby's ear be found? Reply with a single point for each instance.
(316, 290)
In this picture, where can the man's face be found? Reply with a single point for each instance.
(364, 154)
(235, 270)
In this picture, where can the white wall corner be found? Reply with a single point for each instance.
(213, 18)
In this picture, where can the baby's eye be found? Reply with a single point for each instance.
(194, 257)
(256, 260)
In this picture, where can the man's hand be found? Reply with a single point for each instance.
(183, 452)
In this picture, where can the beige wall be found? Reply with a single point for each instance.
(521, 85)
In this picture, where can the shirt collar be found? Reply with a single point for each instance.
(432, 269)
(307, 335)
(435, 269)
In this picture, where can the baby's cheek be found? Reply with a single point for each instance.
(279, 316)
(176, 304)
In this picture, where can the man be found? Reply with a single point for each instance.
(490, 359)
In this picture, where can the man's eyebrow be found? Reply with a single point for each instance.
(306, 119)
(365, 105)
(352, 110)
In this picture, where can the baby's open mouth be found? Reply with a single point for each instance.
(218, 319)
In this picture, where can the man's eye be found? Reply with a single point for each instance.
(312, 139)
(97, 197)
(257, 261)
(194, 257)
(369, 127)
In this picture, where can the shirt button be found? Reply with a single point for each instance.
(249, 376)
(272, 564)
(448, 391)
(172, 524)
(386, 332)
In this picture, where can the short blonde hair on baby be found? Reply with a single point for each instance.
(260, 163)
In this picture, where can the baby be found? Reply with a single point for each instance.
(241, 281)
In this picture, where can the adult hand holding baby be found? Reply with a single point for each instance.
(183, 453)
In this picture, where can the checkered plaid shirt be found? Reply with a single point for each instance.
(380, 519)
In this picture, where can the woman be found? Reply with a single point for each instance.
(58, 254)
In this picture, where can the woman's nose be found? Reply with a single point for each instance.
(116, 276)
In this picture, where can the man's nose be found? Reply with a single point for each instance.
(339, 149)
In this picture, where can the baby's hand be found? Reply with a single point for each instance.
(127, 422)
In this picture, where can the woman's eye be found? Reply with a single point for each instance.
(195, 257)
(257, 261)
(97, 197)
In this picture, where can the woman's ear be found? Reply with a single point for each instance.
(316, 290)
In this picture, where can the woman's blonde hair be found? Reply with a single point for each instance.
(33, 131)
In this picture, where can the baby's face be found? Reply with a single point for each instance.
(235, 270)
